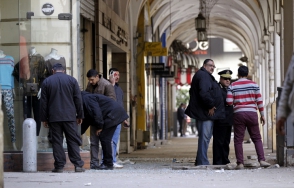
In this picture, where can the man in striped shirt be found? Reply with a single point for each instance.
(245, 96)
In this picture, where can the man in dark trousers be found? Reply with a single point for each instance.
(62, 112)
(223, 127)
(97, 84)
(181, 117)
(105, 114)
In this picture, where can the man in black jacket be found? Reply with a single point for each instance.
(222, 128)
(61, 112)
(205, 105)
(181, 117)
(105, 114)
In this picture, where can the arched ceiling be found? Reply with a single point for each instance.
(241, 21)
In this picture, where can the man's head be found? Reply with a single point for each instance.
(225, 77)
(57, 68)
(115, 73)
(93, 76)
(183, 105)
(242, 71)
(208, 64)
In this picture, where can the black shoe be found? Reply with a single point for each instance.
(57, 170)
(104, 167)
(93, 167)
(79, 169)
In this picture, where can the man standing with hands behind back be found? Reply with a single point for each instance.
(62, 112)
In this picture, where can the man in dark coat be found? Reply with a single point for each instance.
(222, 128)
(181, 117)
(105, 114)
(97, 84)
(61, 112)
(205, 105)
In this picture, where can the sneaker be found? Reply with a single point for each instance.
(231, 166)
(116, 165)
(239, 167)
(264, 164)
(79, 169)
(57, 170)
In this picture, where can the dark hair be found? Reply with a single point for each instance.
(92, 73)
(206, 61)
(112, 69)
(243, 71)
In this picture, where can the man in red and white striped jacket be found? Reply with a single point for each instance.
(245, 96)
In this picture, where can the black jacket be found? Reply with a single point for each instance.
(205, 93)
(229, 110)
(181, 113)
(101, 111)
(61, 99)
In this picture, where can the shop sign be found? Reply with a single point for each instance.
(157, 52)
(47, 9)
(119, 35)
(153, 46)
(154, 66)
(165, 73)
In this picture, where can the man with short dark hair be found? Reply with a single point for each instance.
(98, 85)
(105, 114)
(181, 117)
(62, 112)
(205, 105)
(222, 128)
(245, 97)
(114, 78)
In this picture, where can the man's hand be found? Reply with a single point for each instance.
(126, 124)
(262, 120)
(281, 126)
(45, 124)
(211, 111)
(112, 79)
(98, 132)
(79, 121)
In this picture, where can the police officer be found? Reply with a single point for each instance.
(222, 127)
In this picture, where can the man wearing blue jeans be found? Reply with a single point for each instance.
(205, 105)
(114, 78)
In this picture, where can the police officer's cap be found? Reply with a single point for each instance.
(225, 73)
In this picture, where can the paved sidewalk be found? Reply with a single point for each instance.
(153, 168)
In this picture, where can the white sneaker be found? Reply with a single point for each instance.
(115, 165)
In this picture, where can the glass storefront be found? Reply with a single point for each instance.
(34, 35)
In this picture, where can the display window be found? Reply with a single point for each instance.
(34, 35)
